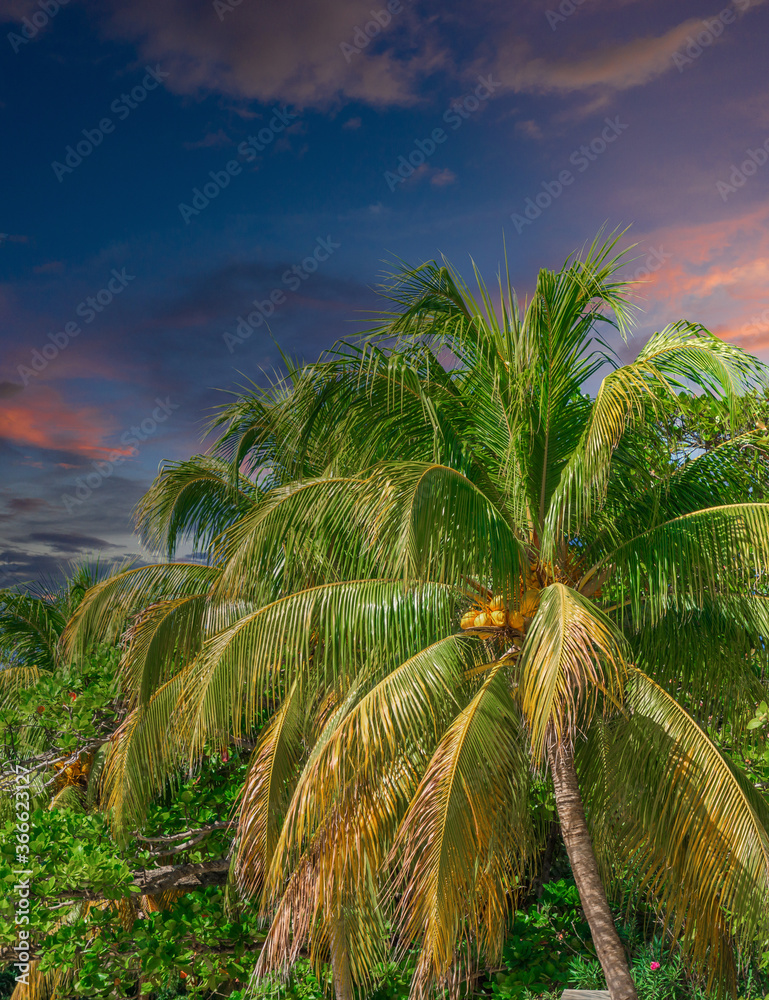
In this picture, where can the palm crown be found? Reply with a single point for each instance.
(440, 567)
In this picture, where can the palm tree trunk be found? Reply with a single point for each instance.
(340, 964)
(592, 894)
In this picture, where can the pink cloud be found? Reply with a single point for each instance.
(614, 66)
(41, 418)
(717, 274)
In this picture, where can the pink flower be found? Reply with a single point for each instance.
(654, 966)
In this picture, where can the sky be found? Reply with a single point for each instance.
(189, 187)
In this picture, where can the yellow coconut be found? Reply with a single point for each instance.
(530, 603)
(468, 619)
(499, 617)
(497, 604)
(515, 620)
(483, 620)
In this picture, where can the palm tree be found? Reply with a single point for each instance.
(32, 621)
(440, 566)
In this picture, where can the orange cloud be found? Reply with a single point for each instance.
(717, 274)
(42, 419)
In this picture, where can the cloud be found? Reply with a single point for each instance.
(529, 128)
(8, 389)
(437, 176)
(218, 294)
(61, 542)
(270, 50)
(441, 178)
(610, 66)
(19, 567)
(210, 139)
(617, 66)
(42, 419)
(50, 267)
(717, 274)
(22, 505)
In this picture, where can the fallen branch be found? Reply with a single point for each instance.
(186, 878)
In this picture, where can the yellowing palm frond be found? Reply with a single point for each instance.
(467, 824)
(318, 636)
(14, 680)
(572, 655)
(147, 749)
(694, 830)
(266, 792)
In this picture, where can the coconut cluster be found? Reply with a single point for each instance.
(503, 613)
(75, 773)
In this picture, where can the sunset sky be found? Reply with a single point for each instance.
(167, 164)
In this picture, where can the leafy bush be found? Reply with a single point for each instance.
(543, 940)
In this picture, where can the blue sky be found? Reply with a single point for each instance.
(177, 161)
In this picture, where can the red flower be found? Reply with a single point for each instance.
(654, 966)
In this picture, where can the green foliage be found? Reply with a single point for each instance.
(77, 707)
(606, 559)
(543, 941)
(87, 916)
(550, 949)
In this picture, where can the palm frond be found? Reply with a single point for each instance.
(30, 627)
(14, 680)
(320, 636)
(107, 608)
(266, 792)
(192, 501)
(692, 827)
(466, 826)
(573, 655)
(417, 521)
(719, 550)
(682, 353)
(147, 749)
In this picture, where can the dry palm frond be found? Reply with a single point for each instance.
(464, 838)
(573, 654)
